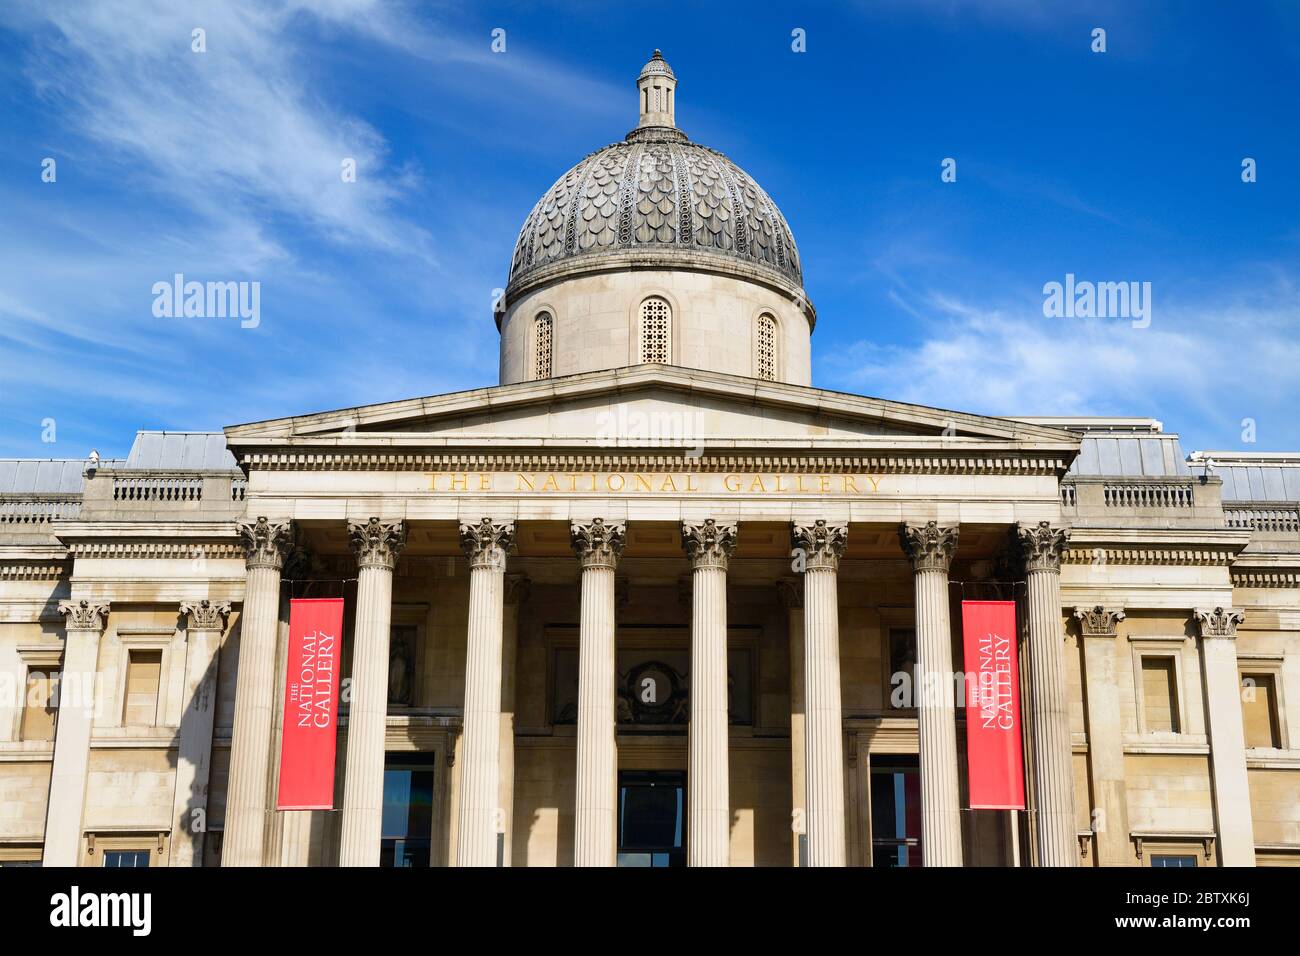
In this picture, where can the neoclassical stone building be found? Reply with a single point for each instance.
(654, 599)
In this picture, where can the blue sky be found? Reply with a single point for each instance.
(225, 166)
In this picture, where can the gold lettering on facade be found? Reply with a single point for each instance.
(654, 483)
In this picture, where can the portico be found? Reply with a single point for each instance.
(665, 565)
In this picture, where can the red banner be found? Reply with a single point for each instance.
(993, 744)
(311, 697)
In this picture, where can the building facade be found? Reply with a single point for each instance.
(654, 599)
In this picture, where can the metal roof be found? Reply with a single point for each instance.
(1157, 456)
(40, 476)
(1259, 482)
(181, 451)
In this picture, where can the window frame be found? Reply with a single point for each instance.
(1271, 666)
(39, 656)
(534, 341)
(1144, 647)
(762, 314)
(146, 639)
(636, 351)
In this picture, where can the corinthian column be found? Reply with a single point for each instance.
(486, 544)
(377, 545)
(78, 701)
(266, 543)
(204, 624)
(709, 546)
(931, 547)
(822, 546)
(598, 545)
(1227, 737)
(1058, 844)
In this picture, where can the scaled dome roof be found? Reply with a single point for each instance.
(660, 194)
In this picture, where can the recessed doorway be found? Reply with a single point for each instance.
(652, 818)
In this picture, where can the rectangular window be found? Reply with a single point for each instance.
(896, 812)
(651, 818)
(1259, 711)
(1160, 695)
(407, 829)
(40, 706)
(1170, 859)
(126, 858)
(143, 673)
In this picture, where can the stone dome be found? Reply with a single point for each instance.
(655, 251)
(655, 196)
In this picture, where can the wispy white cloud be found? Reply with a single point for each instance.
(1202, 365)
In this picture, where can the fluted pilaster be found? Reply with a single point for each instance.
(266, 544)
(78, 700)
(205, 621)
(709, 546)
(377, 545)
(1232, 804)
(822, 545)
(1042, 546)
(598, 545)
(930, 547)
(486, 544)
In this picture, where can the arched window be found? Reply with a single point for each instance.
(765, 347)
(656, 331)
(543, 331)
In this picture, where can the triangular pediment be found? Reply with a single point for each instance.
(651, 403)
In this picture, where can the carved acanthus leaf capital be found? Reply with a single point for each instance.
(205, 615)
(84, 615)
(1219, 621)
(1098, 621)
(598, 543)
(266, 543)
(486, 543)
(376, 543)
(821, 544)
(930, 546)
(1041, 545)
(708, 544)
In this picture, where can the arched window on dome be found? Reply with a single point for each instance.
(543, 335)
(765, 347)
(656, 331)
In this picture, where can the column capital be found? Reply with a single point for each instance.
(266, 543)
(518, 588)
(930, 546)
(598, 543)
(790, 591)
(84, 615)
(377, 543)
(205, 615)
(1041, 545)
(1219, 621)
(1098, 621)
(707, 543)
(822, 543)
(486, 543)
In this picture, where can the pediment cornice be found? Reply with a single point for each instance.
(393, 421)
